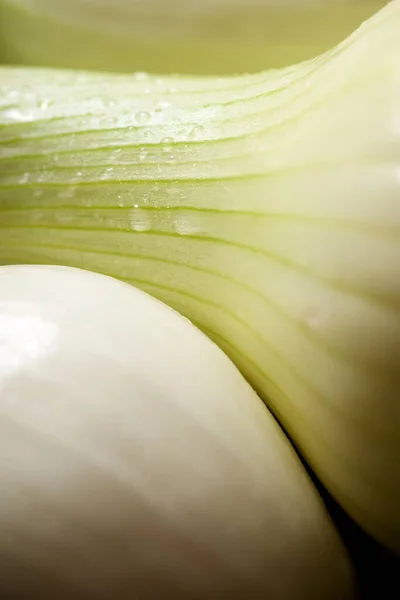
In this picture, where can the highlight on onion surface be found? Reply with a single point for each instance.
(136, 462)
(265, 208)
(184, 36)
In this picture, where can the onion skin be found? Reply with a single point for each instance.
(136, 462)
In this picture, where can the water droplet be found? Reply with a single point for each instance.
(67, 193)
(163, 104)
(13, 94)
(167, 144)
(183, 226)
(140, 226)
(17, 116)
(45, 103)
(115, 153)
(142, 154)
(172, 90)
(37, 193)
(96, 103)
(316, 317)
(24, 178)
(139, 219)
(141, 76)
(142, 117)
(104, 174)
(196, 133)
(120, 203)
(42, 177)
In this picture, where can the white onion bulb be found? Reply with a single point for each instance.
(136, 462)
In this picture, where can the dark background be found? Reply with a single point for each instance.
(377, 568)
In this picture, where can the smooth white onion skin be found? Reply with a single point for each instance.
(136, 462)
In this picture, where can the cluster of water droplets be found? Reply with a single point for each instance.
(22, 105)
(106, 113)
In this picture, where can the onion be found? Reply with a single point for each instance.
(264, 208)
(136, 462)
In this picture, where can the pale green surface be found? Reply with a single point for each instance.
(264, 208)
(185, 36)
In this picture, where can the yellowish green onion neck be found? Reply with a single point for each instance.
(264, 208)
(207, 37)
